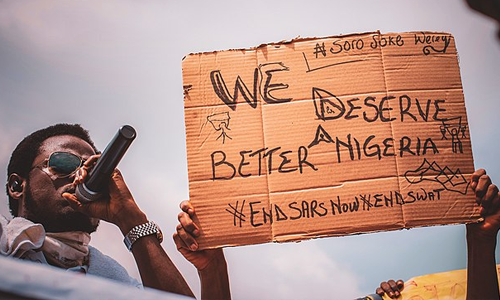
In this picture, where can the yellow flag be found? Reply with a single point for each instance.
(440, 286)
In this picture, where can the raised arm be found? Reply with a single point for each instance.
(156, 269)
(482, 281)
(210, 263)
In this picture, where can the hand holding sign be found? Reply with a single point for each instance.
(210, 263)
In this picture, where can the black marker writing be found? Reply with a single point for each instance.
(266, 87)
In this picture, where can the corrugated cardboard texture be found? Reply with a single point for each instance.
(327, 137)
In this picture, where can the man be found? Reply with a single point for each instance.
(52, 226)
(482, 281)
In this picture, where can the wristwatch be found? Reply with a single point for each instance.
(142, 230)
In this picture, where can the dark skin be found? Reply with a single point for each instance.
(45, 189)
(482, 281)
(55, 196)
(391, 288)
(210, 263)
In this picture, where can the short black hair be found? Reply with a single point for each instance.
(27, 150)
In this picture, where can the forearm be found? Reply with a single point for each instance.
(482, 281)
(156, 269)
(215, 280)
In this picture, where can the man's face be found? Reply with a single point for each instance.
(43, 201)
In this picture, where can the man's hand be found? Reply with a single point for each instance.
(482, 282)
(119, 209)
(210, 263)
(185, 239)
(156, 269)
(391, 288)
(488, 198)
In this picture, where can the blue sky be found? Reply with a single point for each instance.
(108, 63)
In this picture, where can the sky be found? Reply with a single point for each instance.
(104, 64)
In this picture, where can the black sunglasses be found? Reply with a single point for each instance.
(61, 164)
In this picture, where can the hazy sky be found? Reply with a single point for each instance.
(108, 63)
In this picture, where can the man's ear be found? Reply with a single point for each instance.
(15, 186)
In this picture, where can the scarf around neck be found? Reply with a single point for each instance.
(22, 238)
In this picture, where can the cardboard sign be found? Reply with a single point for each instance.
(327, 137)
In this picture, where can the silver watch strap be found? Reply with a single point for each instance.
(142, 230)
